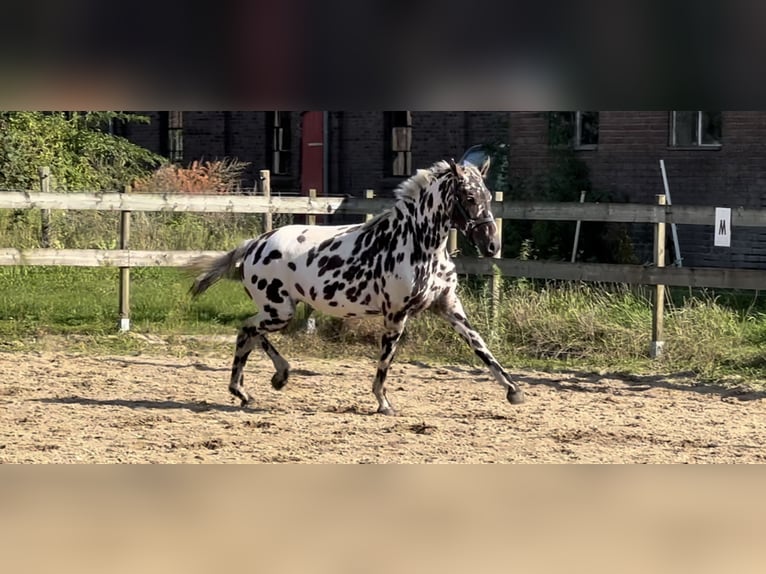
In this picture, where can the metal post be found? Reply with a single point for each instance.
(673, 230)
(577, 230)
(659, 292)
(124, 325)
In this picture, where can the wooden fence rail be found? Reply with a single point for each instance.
(712, 277)
(268, 204)
(548, 211)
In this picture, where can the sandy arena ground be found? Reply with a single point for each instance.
(58, 407)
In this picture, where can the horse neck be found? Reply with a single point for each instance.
(432, 218)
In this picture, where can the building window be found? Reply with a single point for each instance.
(172, 134)
(399, 144)
(695, 129)
(578, 130)
(278, 138)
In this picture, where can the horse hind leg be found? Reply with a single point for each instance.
(245, 343)
(252, 334)
(281, 366)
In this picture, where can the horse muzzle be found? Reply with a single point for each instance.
(483, 234)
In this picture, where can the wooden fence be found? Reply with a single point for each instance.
(561, 211)
(268, 204)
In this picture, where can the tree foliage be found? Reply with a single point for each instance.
(80, 152)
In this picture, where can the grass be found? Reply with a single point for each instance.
(70, 299)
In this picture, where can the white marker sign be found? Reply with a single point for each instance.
(722, 227)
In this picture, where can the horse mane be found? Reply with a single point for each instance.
(411, 188)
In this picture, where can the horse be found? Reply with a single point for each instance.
(395, 265)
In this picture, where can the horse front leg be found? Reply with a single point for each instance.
(452, 310)
(388, 343)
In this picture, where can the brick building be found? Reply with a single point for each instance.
(360, 145)
(712, 158)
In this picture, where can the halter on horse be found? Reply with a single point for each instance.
(395, 265)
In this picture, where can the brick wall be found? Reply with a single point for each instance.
(247, 142)
(145, 135)
(356, 153)
(358, 144)
(215, 135)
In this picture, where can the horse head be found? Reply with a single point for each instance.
(472, 213)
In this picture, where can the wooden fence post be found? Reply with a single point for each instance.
(311, 323)
(125, 271)
(496, 280)
(658, 307)
(452, 241)
(268, 219)
(312, 219)
(369, 194)
(45, 214)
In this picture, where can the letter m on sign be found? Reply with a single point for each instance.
(722, 227)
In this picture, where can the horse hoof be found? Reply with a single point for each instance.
(278, 381)
(515, 398)
(386, 411)
(248, 402)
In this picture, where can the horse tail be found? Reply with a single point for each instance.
(210, 269)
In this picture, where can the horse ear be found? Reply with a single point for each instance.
(484, 169)
(456, 171)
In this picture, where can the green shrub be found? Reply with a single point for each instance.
(81, 154)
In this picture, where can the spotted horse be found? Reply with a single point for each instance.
(395, 265)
